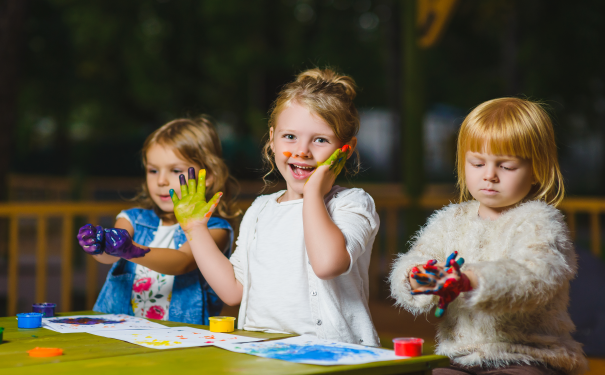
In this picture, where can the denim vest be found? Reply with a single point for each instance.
(193, 301)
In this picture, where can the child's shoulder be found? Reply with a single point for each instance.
(218, 223)
(142, 216)
(537, 212)
(456, 211)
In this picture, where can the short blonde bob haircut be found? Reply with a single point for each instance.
(513, 127)
(325, 93)
(195, 140)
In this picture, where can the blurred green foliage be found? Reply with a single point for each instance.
(98, 76)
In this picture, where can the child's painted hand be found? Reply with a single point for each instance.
(324, 178)
(192, 209)
(119, 244)
(92, 239)
(444, 280)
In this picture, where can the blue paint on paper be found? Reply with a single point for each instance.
(300, 353)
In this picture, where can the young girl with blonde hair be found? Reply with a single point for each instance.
(302, 257)
(147, 247)
(511, 317)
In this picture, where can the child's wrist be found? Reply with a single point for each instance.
(195, 232)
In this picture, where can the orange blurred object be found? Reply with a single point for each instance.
(45, 352)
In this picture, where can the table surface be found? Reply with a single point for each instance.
(89, 354)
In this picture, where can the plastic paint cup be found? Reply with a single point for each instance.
(45, 352)
(46, 308)
(29, 320)
(1, 334)
(408, 346)
(222, 323)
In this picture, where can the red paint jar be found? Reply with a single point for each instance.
(408, 346)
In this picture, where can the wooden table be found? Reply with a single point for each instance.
(87, 354)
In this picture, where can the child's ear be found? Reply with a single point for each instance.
(271, 139)
(352, 143)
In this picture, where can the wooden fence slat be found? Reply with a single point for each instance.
(41, 256)
(66, 262)
(595, 233)
(13, 265)
(91, 272)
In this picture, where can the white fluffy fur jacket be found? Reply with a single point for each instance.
(524, 261)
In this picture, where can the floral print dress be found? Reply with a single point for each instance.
(152, 291)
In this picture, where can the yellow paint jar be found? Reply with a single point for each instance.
(222, 323)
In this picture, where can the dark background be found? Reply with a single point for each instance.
(91, 79)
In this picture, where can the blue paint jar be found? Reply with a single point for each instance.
(46, 308)
(29, 320)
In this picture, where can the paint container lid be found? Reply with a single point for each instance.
(410, 340)
(44, 304)
(29, 320)
(45, 352)
(225, 318)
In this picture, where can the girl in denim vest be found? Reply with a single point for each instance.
(154, 274)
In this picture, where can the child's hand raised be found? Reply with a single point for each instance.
(324, 178)
(444, 280)
(192, 209)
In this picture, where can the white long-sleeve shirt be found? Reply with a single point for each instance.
(524, 261)
(275, 299)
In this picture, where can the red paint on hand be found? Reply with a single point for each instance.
(345, 148)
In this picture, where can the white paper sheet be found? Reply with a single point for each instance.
(94, 323)
(174, 337)
(311, 350)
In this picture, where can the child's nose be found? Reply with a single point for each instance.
(490, 174)
(163, 180)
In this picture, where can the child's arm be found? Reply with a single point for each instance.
(430, 242)
(536, 267)
(162, 260)
(325, 242)
(193, 212)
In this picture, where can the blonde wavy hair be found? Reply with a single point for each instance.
(513, 127)
(325, 93)
(196, 141)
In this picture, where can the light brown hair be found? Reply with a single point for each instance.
(196, 141)
(325, 93)
(513, 127)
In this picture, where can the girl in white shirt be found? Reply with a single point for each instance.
(301, 265)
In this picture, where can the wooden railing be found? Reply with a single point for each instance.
(388, 208)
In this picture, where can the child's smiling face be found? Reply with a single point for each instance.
(163, 169)
(498, 182)
(300, 141)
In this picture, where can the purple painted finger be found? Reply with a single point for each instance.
(192, 173)
(119, 243)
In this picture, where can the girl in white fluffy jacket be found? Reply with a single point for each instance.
(519, 258)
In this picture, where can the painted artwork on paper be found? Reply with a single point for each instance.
(175, 337)
(93, 323)
(311, 350)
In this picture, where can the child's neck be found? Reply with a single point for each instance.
(492, 213)
(166, 222)
(289, 195)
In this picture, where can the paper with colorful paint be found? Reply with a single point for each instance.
(314, 351)
(174, 337)
(95, 323)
